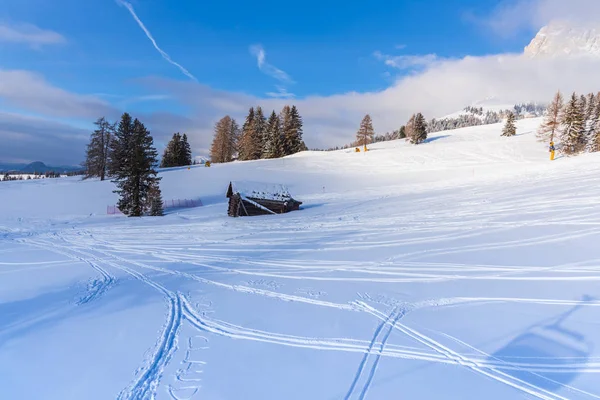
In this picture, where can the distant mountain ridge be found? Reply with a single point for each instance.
(36, 167)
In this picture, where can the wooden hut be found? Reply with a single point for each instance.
(250, 198)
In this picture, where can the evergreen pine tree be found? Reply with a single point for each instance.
(510, 129)
(402, 132)
(167, 158)
(97, 153)
(583, 106)
(572, 138)
(590, 107)
(120, 146)
(133, 166)
(590, 121)
(365, 133)
(419, 129)
(285, 118)
(172, 154)
(274, 144)
(302, 146)
(593, 134)
(298, 142)
(291, 126)
(185, 152)
(260, 133)
(156, 201)
(551, 125)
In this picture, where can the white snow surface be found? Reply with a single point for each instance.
(486, 108)
(491, 103)
(261, 190)
(463, 268)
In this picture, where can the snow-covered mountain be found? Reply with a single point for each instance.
(560, 38)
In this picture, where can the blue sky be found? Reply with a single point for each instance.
(326, 47)
(94, 58)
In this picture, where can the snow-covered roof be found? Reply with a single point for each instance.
(261, 190)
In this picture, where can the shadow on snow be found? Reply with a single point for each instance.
(549, 346)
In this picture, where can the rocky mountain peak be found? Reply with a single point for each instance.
(561, 38)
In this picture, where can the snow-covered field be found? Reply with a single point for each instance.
(464, 268)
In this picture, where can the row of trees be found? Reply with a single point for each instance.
(126, 153)
(178, 152)
(20, 176)
(415, 130)
(575, 124)
(278, 136)
(473, 116)
(465, 120)
(7, 177)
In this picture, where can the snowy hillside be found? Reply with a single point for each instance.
(462, 268)
(491, 105)
(560, 39)
(485, 113)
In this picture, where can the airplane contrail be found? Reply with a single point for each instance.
(149, 35)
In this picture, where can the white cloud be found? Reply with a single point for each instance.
(30, 35)
(261, 59)
(127, 102)
(443, 88)
(164, 55)
(281, 93)
(513, 16)
(30, 91)
(408, 61)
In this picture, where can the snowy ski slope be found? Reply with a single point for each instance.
(463, 268)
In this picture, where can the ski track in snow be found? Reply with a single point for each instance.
(265, 258)
(394, 317)
(96, 287)
(148, 377)
(520, 367)
(504, 273)
(469, 363)
(189, 377)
